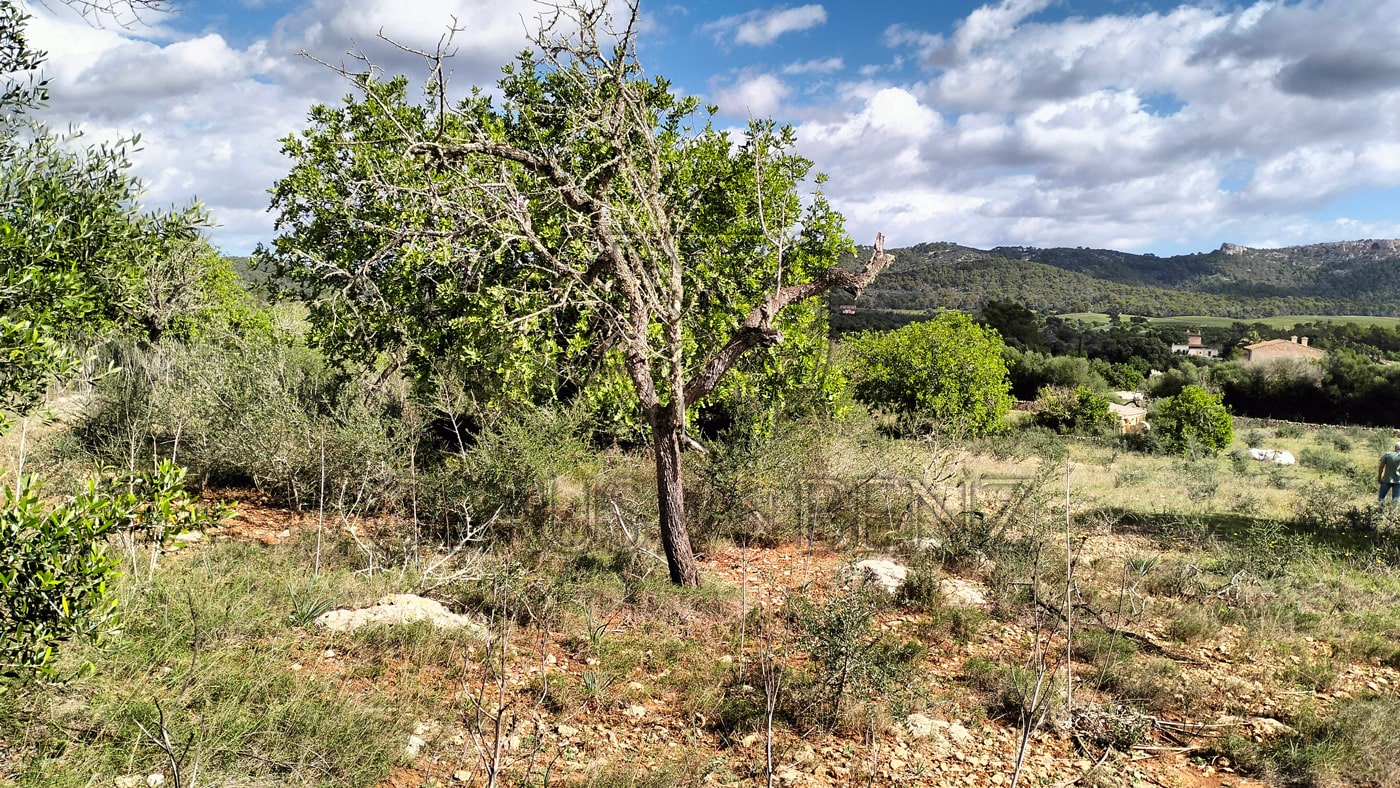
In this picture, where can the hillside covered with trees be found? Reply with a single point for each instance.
(1339, 278)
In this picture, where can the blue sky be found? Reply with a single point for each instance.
(1142, 126)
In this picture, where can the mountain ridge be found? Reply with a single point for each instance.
(1342, 277)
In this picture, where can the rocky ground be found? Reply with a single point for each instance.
(644, 719)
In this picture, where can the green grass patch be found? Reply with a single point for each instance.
(209, 649)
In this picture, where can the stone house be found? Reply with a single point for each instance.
(1131, 418)
(1278, 349)
(1195, 347)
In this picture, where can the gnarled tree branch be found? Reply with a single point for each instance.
(757, 329)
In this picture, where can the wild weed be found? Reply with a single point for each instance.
(850, 657)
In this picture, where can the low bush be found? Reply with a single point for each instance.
(55, 569)
(1359, 744)
(1079, 411)
(1255, 438)
(850, 657)
(1321, 507)
(1266, 550)
(922, 589)
(1190, 626)
(531, 467)
(1339, 440)
(262, 412)
(760, 488)
(1014, 691)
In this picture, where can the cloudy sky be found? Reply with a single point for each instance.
(1128, 124)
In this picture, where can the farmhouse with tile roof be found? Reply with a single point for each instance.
(1275, 349)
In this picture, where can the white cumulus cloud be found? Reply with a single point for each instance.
(761, 28)
(1126, 130)
(750, 95)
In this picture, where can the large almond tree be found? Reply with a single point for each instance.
(579, 218)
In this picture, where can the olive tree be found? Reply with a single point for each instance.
(77, 256)
(581, 226)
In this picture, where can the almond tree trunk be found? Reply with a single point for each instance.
(670, 499)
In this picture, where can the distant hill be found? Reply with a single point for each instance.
(1353, 277)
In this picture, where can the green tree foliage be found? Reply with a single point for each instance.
(1346, 388)
(75, 251)
(77, 255)
(1122, 376)
(21, 88)
(54, 566)
(1193, 422)
(1031, 371)
(1019, 327)
(1079, 410)
(1171, 382)
(588, 230)
(77, 258)
(946, 374)
(436, 270)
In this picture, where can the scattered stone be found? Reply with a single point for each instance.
(962, 593)
(1276, 456)
(920, 725)
(636, 686)
(750, 740)
(885, 574)
(189, 537)
(415, 745)
(1269, 727)
(155, 780)
(635, 712)
(129, 781)
(397, 609)
(461, 775)
(566, 731)
(958, 733)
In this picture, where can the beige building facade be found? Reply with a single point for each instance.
(1277, 349)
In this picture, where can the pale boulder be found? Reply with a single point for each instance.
(397, 609)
